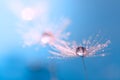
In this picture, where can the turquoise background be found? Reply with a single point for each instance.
(88, 17)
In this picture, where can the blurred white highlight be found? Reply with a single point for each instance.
(28, 12)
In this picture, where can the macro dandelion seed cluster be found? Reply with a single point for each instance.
(86, 49)
(36, 29)
(59, 40)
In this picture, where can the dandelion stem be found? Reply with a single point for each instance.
(85, 69)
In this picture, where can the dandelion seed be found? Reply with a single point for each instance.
(87, 48)
(53, 35)
(37, 35)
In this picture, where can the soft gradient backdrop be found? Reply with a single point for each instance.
(87, 18)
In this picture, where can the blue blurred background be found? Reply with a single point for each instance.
(88, 17)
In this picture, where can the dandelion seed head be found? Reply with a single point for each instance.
(87, 48)
(47, 37)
